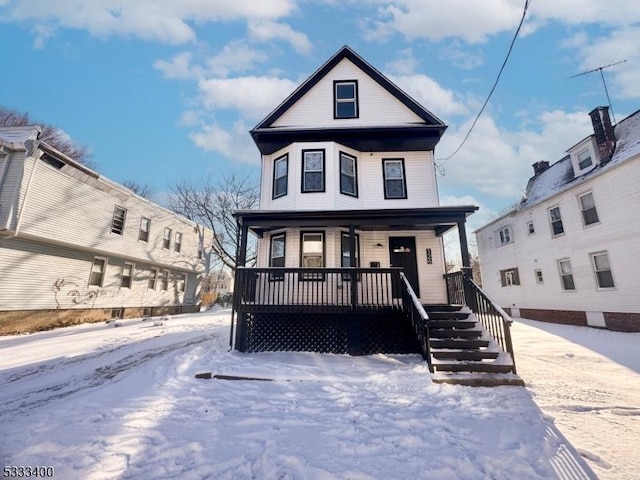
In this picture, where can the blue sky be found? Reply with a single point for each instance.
(165, 90)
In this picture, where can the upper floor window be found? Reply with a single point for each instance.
(345, 96)
(119, 216)
(145, 227)
(509, 277)
(166, 239)
(280, 176)
(127, 275)
(588, 207)
(177, 244)
(394, 178)
(505, 235)
(312, 253)
(348, 175)
(531, 228)
(602, 269)
(277, 255)
(566, 274)
(96, 277)
(556, 221)
(312, 171)
(584, 159)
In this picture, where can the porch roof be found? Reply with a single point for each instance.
(440, 219)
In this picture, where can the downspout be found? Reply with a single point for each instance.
(3, 177)
(36, 159)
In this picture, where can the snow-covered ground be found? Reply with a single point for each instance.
(97, 402)
(588, 381)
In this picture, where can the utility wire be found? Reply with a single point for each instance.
(440, 167)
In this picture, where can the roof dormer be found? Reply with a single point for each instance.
(584, 156)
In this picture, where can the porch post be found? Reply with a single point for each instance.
(354, 326)
(466, 264)
(240, 284)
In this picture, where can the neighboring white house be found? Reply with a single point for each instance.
(76, 246)
(570, 251)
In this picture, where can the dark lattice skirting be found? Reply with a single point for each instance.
(364, 333)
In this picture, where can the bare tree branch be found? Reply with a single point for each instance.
(212, 204)
(144, 190)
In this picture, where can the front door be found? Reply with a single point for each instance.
(402, 253)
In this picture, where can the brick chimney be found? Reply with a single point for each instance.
(603, 130)
(540, 167)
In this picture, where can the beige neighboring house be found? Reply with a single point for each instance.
(76, 246)
(570, 251)
(219, 282)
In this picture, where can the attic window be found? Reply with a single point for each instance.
(345, 95)
(584, 160)
(51, 161)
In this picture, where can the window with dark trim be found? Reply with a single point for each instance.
(277, 252)
(312, 171)
(345, 99)
(127, 275)
(531, 228)
(602, 269)
(280, 176)
(145, 227)
(394, 178)
(166, 240)
(348, 175)
(588, 207)
(509, 277)
(556, 221)
(312, 254)
(96, 277)
(345, 254)
(117, 222)
(566, 274)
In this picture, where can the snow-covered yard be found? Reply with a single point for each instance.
(97, 402)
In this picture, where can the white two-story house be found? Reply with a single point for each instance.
(348, 192)
(76, 246)
(570, 251)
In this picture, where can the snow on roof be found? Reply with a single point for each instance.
(560, 176)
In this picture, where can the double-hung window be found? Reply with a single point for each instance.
(166, 239)
(588, 207)
(602, 269)
(145, 227)
(556, 221)
(280, 176)
(277, 255)
(584, 160)
(505, 236)
(312, 254)
(117, 222)
(96, 277)
(153, 278)
(127, 275)
(164, 280)
(177, 244)
(566, 274)
(394, 178)
(509, 277)
(348, 175)
(345, 99)
(182, 282)
(312, 171)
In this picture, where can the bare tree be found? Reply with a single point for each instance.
(212, 204)
(144, 190)
(51, 135)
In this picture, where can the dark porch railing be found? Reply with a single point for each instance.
(419, 319)
(464, 291)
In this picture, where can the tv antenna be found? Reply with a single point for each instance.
(600, 69)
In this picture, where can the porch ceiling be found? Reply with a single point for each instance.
(440, 219)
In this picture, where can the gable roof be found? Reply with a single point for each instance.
(346, 52)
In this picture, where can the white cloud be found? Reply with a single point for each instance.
(253, 97)
(159, 20)
(265, 30)
(234, 57)
(431, 94)
(179, 67)
(404, 64)
(483, 216)
(234, 143)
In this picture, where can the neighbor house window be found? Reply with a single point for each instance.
(584, 160)
(556, 221)
(164, 280)
(312, 171)
(280, 176)
(96, 277)
(602, 269)
(530, 228)
(566, 274)
(312, 253)
(145, 227)
(127, 275)
(345, 96)
(117, 223)
(509, 277)
(166, 239)
(505, 235)
(182, 282)
(588, 207)
(348, 175)
(177, 244)
(538, 274)
(394, 178)
(345, 248)
(153, 278)
(277, 255)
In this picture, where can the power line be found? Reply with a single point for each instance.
(440, 168)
